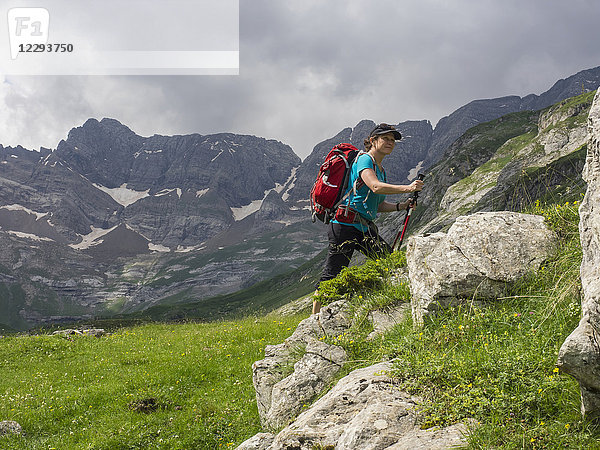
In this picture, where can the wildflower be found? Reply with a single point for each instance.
(556, 369)
(567, 426)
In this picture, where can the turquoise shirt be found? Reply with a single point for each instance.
(365, 202)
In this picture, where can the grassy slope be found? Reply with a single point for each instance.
(82, 392)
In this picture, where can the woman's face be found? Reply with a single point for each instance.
(384, 143)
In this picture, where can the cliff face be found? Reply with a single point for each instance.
(580, 353)
(175, 191)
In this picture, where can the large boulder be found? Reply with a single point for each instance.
(580, 353)
(365, 410)
(479, 258)
(294, 372)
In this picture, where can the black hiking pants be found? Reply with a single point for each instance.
(343, 240)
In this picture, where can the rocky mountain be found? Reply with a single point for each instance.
(451, 127)
(112, 222)
(99, 224)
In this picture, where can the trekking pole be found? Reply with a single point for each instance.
(409, 209)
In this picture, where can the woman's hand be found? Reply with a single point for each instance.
(416, 185)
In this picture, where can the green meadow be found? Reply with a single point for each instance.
(170, 386)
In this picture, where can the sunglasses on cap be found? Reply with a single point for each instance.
(384, 128)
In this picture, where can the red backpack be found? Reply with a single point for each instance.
(332, 181)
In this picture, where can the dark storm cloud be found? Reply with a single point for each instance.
(309, 68)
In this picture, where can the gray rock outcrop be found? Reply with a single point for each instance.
(580, 353)
(10, 427)
(294, 372)
(97, 332)
(365, 410)
(385, 319)
(480, 256)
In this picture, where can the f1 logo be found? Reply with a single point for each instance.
(27, 26)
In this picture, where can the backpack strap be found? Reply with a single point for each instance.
(358, 183)
(361, 183)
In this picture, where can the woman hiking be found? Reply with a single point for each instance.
(353, 226)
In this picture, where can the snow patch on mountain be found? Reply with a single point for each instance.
(182, 249)
(93, 238)
(168, 191)
(29, 236)
(16, 207)
(219, 154)
(245, 211)
(123, 195)
(158, 248)
(412, 173)
(288, 185)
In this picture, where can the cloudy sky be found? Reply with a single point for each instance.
(309, 68)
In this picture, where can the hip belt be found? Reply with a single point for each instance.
(348, 215)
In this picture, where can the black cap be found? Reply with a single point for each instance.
(384, 128)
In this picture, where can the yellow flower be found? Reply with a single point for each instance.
(567, 426)
(555, 370)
